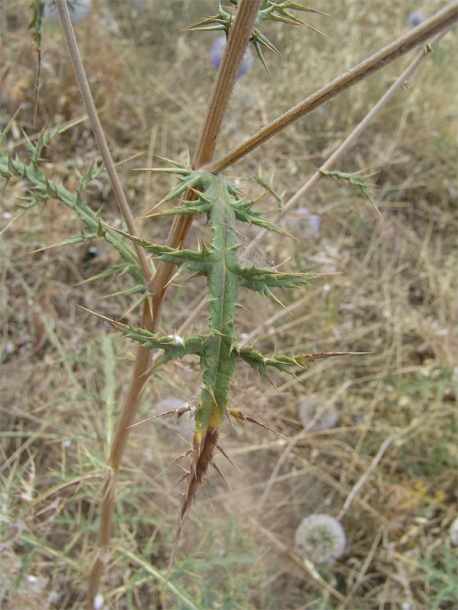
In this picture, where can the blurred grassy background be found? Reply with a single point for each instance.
(393, 295)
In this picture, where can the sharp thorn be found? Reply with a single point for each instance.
(221, 475)
(221, 450)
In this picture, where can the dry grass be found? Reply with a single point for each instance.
(388, 469)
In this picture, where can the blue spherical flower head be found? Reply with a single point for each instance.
(314, 417)
(309, 224)
(217, 53)
(416, 18)
(78, 9)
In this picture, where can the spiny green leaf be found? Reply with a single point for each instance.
(274, 279)
(116, 270)
(280, 11)
(255, 360)
(259, 179)
(261, 288)
(222, 21)
(188, 209)
(356, 180)
(44, 188)
(197, 261)
(245, 213)
(187, 181)
(270, 10)
(92, 173)
(217, 349)
(285, 364)
(174, 347)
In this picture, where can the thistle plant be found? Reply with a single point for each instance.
(202, 190)
(217, 350)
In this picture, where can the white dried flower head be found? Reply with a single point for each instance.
(316, 415)
(98, 601)
(78, 9)
(320, 538)
(454, 532)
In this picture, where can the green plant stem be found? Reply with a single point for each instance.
(244, 21)
(441, 20)
(99, 135)
(46, 189)
(155, 573)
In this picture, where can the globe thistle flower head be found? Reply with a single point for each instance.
(308, 224)
(78, 9)
(314, 417)
(217, 53)
(416, 18)
(320, 539)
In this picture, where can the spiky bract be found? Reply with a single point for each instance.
(270, 10)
